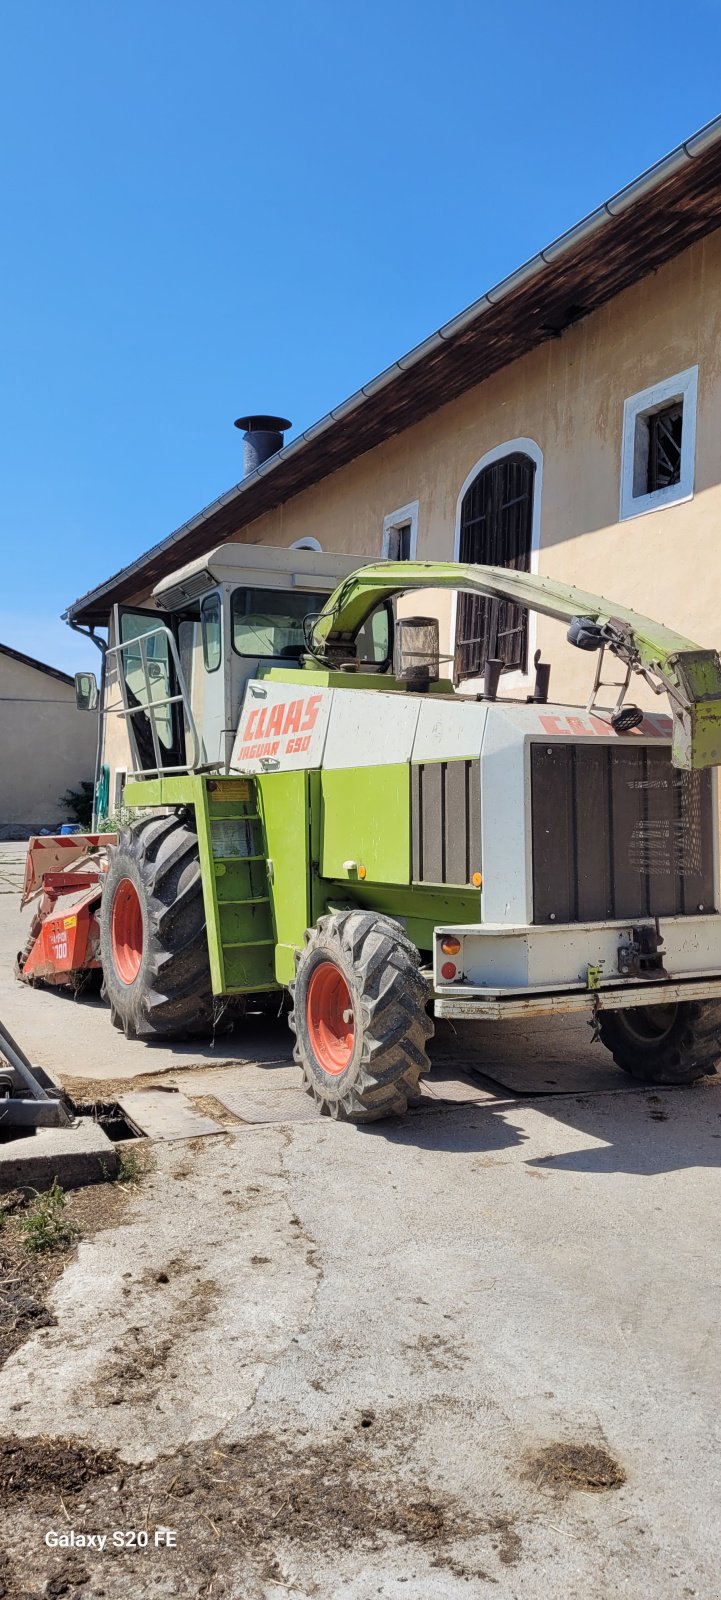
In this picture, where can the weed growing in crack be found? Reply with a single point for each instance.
(45, 1227)
(130, 1169)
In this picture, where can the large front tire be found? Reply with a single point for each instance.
(359, 1016)
(664, 1044)
(153, 941)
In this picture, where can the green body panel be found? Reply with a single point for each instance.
(366, 818)
(421, 907)
(284, 808)
(271, 853)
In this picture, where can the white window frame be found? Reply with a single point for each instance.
(682, 386)
(308, 544)
(527, 447)
(404, 517)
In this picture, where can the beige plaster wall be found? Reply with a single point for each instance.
(48, 746)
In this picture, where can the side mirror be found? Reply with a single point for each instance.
(86, 691)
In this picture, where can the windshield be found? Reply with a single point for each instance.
(269, 622)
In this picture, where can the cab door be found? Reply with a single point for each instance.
(143, 668)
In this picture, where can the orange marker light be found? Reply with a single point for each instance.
(361, 871)
(477, 879)
(450, 946)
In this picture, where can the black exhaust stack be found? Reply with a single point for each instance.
(262, 438)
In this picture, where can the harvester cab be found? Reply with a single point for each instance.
(387, 850)
(178, 674)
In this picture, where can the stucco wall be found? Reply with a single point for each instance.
(568, 398)
(47, 746)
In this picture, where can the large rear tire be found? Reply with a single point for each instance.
(664, 1043)
(359, 1016)
(153, 940)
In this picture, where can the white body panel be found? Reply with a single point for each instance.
(449, 729)
(282, 727)
(504, 960)
(370, 729)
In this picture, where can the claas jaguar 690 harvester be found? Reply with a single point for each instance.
(387, 851)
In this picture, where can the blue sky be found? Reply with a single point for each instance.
(229, 207)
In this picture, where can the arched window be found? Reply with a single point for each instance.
(496, 529)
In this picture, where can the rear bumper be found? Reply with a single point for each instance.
(540, 970)
(500, 1007)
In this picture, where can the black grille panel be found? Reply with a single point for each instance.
(445, 821)
(618, 833)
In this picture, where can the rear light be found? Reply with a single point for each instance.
(450, 946)
(448, 970)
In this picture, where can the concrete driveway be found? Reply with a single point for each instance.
(473, 1351)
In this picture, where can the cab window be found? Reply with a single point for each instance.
(268, 623)
(210, 629)
(373, 640)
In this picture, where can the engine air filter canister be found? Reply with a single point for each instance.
(416, 651)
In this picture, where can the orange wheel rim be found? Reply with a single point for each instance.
(126, 931)
(329, 1015)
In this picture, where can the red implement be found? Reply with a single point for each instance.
(65, 873)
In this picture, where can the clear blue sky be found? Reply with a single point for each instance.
(223, 207)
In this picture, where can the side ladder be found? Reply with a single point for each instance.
(241, 938)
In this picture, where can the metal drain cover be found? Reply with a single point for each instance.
(269, 1105)
(165, 1116)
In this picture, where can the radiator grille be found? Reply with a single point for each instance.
(618, 833)
(445, 821)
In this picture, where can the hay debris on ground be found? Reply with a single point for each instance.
(574, 1466)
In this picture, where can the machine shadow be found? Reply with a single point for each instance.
(555, 1071)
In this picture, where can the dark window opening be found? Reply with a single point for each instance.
(399, 542)
(665, 430)
(496, 530)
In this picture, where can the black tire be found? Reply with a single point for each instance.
(376, 1073)
(664, 1043)
(170, 995)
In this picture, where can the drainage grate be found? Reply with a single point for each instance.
(269, 1105)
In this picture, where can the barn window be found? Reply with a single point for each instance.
(659, 445)
(496, 529)
(400, 533)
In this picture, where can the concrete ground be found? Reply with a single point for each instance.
(420, 1308)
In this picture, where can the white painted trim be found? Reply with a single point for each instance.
(683, 386)
(307, 544)
(528, 447)
(400, 519)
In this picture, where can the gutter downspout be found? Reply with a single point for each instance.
(89, 633)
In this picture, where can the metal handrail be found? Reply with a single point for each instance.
(154, 706)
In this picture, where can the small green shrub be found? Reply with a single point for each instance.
(130, 1169)
(45, 1226)
(79, 803)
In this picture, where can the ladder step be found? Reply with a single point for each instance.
(232, 859)
(254, 900)
(241, 816)
(246, 944)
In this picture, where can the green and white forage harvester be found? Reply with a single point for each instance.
(344, 826)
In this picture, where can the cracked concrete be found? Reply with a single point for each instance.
(172, 1303)
(466, 1286)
